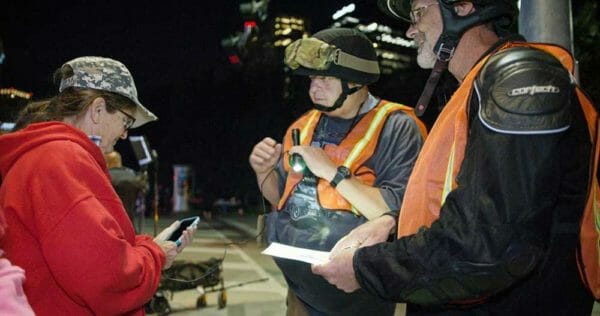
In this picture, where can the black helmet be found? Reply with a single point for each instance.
(349, 56)
(501, 12)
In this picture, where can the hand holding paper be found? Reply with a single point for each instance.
(295, 253)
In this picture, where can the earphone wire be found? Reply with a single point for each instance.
(220, 261)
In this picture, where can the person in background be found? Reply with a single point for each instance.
(130, 187)
(66, 226)
(357, 152)
(490, 219)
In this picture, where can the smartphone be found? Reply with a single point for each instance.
(185, 223)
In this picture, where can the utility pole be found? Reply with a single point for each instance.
(547, 21)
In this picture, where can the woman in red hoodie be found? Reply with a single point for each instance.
(67, 227)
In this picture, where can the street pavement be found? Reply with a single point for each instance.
(253, 284)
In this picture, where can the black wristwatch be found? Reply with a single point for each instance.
(342, 173)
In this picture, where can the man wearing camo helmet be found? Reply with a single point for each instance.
(358, 151)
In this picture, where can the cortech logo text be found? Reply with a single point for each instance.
(531, 90)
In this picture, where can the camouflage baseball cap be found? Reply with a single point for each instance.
(108, 75)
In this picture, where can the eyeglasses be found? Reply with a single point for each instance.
(416, 14)
(128, 120)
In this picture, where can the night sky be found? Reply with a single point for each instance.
(210, 113)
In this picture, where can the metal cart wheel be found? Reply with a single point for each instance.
(160, 305)
(222, 299)
(201, 301)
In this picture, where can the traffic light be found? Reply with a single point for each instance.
(255, 10)
(235, 46)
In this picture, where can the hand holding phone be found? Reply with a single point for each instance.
(184, 224)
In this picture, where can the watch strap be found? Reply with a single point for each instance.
(341, 174)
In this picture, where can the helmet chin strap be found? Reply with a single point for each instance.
(346, 91)
(454, 27)
(432, 81)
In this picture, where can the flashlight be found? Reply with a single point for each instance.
(296, 160)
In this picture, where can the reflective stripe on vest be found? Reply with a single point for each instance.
(380, 117)
(314, 114)
(449, 175)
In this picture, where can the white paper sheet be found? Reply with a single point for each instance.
(295, 253)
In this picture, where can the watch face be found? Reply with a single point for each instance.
(344, 171)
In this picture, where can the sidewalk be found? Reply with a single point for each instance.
(252, 284)
(244, 223)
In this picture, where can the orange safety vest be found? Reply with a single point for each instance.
(354, 150)
(436, 168)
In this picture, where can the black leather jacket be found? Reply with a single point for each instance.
(506, 237)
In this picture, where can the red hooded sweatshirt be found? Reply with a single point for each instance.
(68, 229)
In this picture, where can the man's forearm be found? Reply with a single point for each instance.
(366, 199)
(268, 184)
